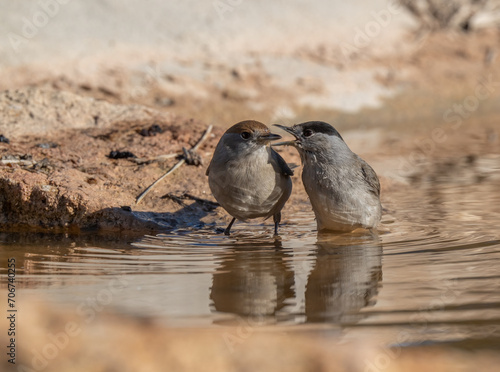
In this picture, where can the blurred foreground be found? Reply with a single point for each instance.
(54, 341)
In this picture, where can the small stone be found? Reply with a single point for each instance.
(47, 145)
(121, 155)
(153, 130)
(164, 101)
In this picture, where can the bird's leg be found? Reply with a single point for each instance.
(228, 228)
(277, 220)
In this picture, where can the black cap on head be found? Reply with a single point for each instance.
(320, 127)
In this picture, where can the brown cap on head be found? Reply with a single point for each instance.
(248, 126)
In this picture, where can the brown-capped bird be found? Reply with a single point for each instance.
(247, 177)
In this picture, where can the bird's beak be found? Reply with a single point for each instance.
(268, 137)
(288, 130)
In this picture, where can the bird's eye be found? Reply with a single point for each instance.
(308, 133)
(245, 135)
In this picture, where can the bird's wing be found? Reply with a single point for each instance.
(370, 177)
(283, 166)
(208, 168)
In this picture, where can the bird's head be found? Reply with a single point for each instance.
(314, 137)
(248, 135)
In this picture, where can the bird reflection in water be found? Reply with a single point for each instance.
(256, 280)
(345, 278)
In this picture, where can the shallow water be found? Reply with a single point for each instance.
(431, 275)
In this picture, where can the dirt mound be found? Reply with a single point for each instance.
(38, 112)
(73, 161)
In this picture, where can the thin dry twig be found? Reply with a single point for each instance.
(177, 165)
(22, 162)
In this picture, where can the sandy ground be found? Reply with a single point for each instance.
(57, 173)
(188, 29)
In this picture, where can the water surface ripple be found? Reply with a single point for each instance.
(432, 274)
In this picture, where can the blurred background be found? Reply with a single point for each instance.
(227, 60)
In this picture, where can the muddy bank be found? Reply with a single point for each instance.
(64, 163)
(57, 169)
(436, 115)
